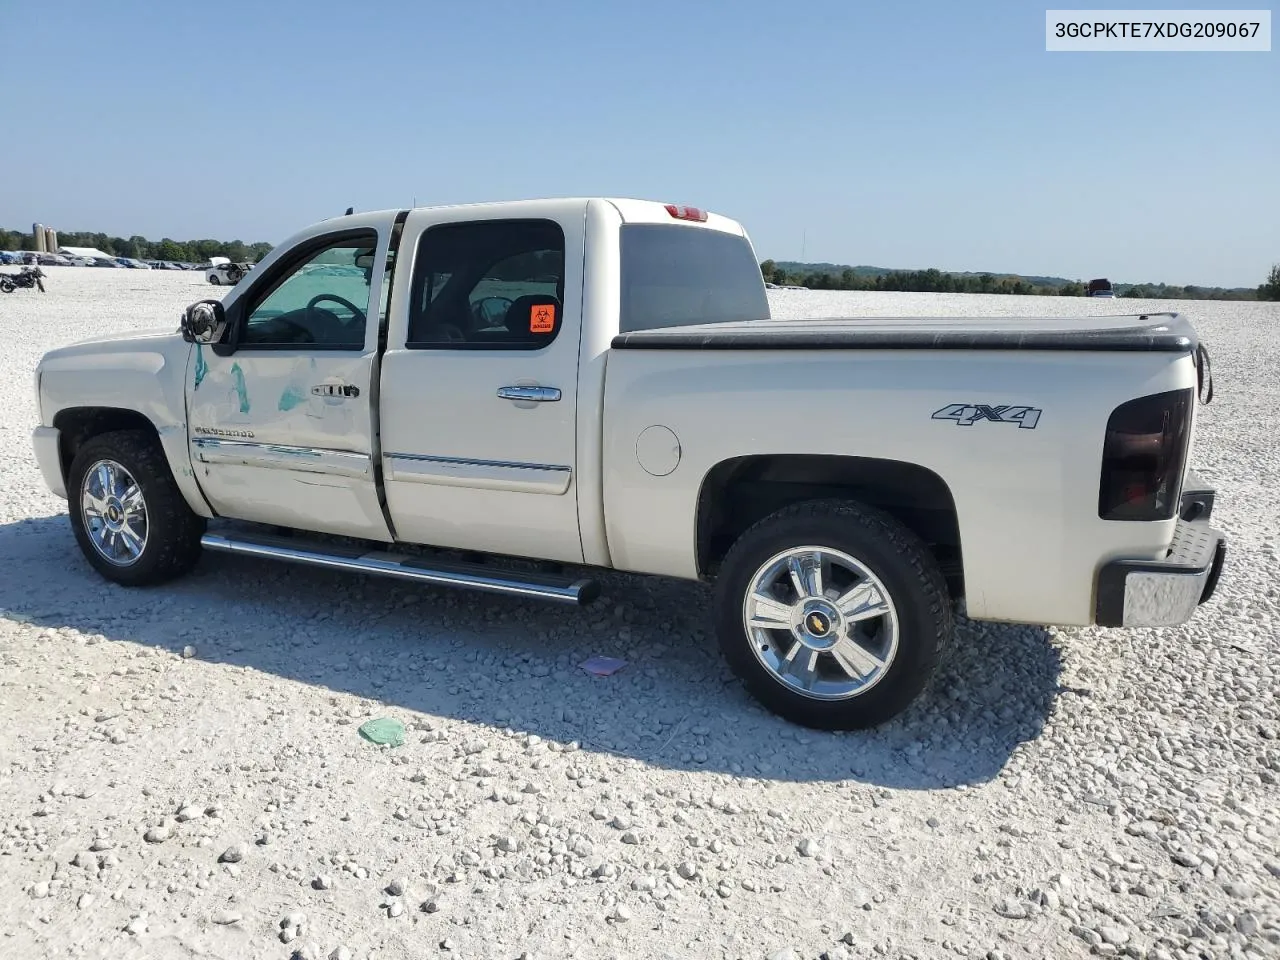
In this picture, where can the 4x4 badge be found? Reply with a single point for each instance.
(967, 414)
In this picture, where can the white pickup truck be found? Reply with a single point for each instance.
(557, 386)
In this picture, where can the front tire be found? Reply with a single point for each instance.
(128, 515)
(833, 614)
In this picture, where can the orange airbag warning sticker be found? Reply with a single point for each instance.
(542, 318)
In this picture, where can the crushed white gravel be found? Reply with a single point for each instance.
(181, 774)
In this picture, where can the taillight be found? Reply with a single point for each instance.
(681, 212)
(1143, 456)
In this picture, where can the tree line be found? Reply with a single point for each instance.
(938, 281)
(140, 248)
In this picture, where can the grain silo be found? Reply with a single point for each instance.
(37, 230)
(50, 240)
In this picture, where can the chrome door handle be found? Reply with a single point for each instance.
(335, 390)
(536, 394)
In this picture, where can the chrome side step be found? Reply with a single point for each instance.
(423, 570)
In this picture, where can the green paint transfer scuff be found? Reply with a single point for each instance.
(202, 368)
(291, 397)
(241, 390)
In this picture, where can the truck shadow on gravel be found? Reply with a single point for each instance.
(509, 663)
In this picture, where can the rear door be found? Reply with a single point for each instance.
(479, 382)
(281, 416)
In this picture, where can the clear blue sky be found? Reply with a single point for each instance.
(904, 134)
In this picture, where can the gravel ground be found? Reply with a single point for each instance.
(181, 774)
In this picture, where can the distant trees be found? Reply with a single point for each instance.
(827, 277)
(140, 248)
(1271, 289)
(931, 280)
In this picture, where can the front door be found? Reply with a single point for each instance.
(280, 417)
(479, 383)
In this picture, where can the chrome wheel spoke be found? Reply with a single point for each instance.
(814, 578)
(131, 541)
(102, 473)
(768, 613)
(854, 659)
(863, 602)
(806, 575)
(802, 663)
(132, 500)
(796, 569)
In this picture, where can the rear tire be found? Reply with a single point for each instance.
(883, 614)
(214, 280)
(128, 515)
(6, 286)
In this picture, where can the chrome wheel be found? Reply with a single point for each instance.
(115, 513)
(821, 623)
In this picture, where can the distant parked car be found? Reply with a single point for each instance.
(228, 273)
(1100, 287)
(105, 262)
(8, 259)
(132, 264)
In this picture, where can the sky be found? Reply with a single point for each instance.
(905, 134)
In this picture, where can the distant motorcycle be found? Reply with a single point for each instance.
(26, 278)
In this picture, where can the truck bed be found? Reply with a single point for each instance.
(1153, 332)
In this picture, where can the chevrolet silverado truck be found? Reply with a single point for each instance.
(512, 396)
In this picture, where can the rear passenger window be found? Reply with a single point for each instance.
(489, 284)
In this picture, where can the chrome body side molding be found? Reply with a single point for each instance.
(484, 474)
(340, 463)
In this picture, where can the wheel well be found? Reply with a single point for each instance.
(737, 493)
(77, 424)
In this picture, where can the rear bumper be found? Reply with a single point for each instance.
(1161, 593)
(45, 442)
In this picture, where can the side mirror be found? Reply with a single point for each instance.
(204, 322)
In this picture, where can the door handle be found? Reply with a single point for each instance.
(340, 390)
(535, 394)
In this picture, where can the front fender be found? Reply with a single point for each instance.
(140, 375)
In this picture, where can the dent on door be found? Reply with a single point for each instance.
(284, 439)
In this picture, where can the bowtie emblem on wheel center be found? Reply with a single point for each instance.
(817, 626)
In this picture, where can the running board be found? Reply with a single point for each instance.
(470, 576)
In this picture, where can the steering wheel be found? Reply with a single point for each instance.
(321, 297)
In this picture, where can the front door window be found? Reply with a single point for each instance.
(322, 302)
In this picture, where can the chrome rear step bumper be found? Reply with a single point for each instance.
(470, 576)
(1162, 593)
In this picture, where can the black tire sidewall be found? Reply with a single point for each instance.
(901, 562)
(173, 531)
